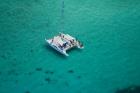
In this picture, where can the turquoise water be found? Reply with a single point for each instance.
(110, 31)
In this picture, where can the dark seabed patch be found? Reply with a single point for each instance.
(131, 89)
(39, 69)
(70, 71)
(13, 72)
(14, 63)
(31, 50)
(78, 77)
(48, 79)
(16, 81)
(27, 92)
(3, 56)
(49, 72)
(14, 59)
(30, 73)
(66, 84)
(41, 84)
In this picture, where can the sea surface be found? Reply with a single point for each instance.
(109, 30)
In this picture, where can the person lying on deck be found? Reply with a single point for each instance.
(65, 44)
(72, 41)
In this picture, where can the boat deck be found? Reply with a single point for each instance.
(63, 42)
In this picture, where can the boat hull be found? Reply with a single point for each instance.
(56, 48)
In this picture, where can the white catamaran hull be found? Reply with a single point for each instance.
(64, 42)
(56, 48)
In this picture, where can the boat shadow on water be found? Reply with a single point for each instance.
(73, 50)
(56, 53)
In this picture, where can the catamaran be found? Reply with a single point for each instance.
(64, 42)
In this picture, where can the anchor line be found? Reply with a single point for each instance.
(62, 16)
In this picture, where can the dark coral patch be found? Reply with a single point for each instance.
(27, 92)
(70, 71)
(3, 56)
(46, 72)
(30, 73)
(39, 69)
(41, 84)
(49, 72)
(48, 80)
(14, 64)
(16, 81)
(15, 59)
(31, 50)
(79, 77)
(66, 84)
(131, 89)
(13, 72)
